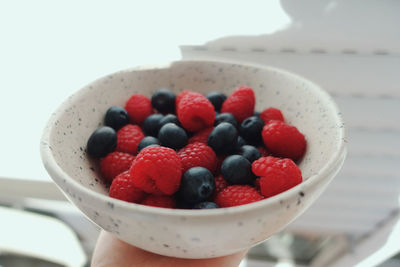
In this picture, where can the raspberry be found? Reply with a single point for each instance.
(180, 96)
(235, 195)
(157, 169)
(197, 155)
(271, 114)
(122, 188)
(128, 139)
(159, 201)
(284, 140)
(139, 108)
(264, 152)
(201, 136)
(240, 103)
(195, 112)
(220, 184)
(260, 166)
(220, 159)
(115, 163)
(279, 176)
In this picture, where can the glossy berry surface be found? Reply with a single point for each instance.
(251, 153)
(216, 98)
(147, 141)
(139, 108)
(163, 100)
(250, 129)
(151, 124)
(225, 117)
(102, 141)
(172, 136)
(116, 117)
(197, 185)
(236, 169)
(206, 205)
(223, 138)
(170, 118)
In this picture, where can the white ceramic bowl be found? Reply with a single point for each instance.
(193, 233)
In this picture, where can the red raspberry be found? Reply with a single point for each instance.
(115, 163)
(240, 103)
(259, 166)
(159, 201)
(122, 188)
(279, 176)
(201, 136)
(128, 139)
(157, 169)
(139, 108)
(271, 114)
(180, 96)
(195, 112)
(220, 184)
(197, 155)
(220, 159)
(284, 140)
(264, 152)
(235, 195)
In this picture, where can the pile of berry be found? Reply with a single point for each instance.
(196, 152)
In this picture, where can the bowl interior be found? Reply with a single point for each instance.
(302, 103)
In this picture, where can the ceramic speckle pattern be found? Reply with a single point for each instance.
(188, 233)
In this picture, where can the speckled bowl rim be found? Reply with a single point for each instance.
(101, 201)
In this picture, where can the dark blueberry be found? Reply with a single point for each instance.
(206, 205)
(225, 117)
(257, 114)
(172, 136)
(251, 129)
(236, 169)
(240, 142)
(116, 117)
(216, 98)
(164, 101)
(151, 124)
(223, 138)
(102, 141)
(147, 141)
(170, 118)
(197, 185)
(251, 153)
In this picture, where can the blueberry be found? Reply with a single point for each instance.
(172, 136)
(102, 141)
(116, 117)
(164, 101)
(216, 98)
(170, 118)
(236, 169)
(197, 185)
(251, 129)
(206, 205)
(147, 141)
(257, 114)
(251, 153)
(225, 117)
(239, 143)
(151, 124)
(223, 138)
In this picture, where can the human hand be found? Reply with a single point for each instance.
(111, 251)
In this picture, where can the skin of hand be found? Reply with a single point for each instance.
(111, 251)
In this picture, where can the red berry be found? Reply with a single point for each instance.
(235, 195)
(128, 139)
(284, 140)
(139, 108)
(257, 184)
(122, 188)
(115, 163)
(264, 152)
(220, 159)
(240, 103)
(180, 96)
(280, 176)
(201, 136)
(195, 112)
(197, 155)
(157, 169)
(271, 114)
(159, 201)
(220, 183)
(259, 166)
